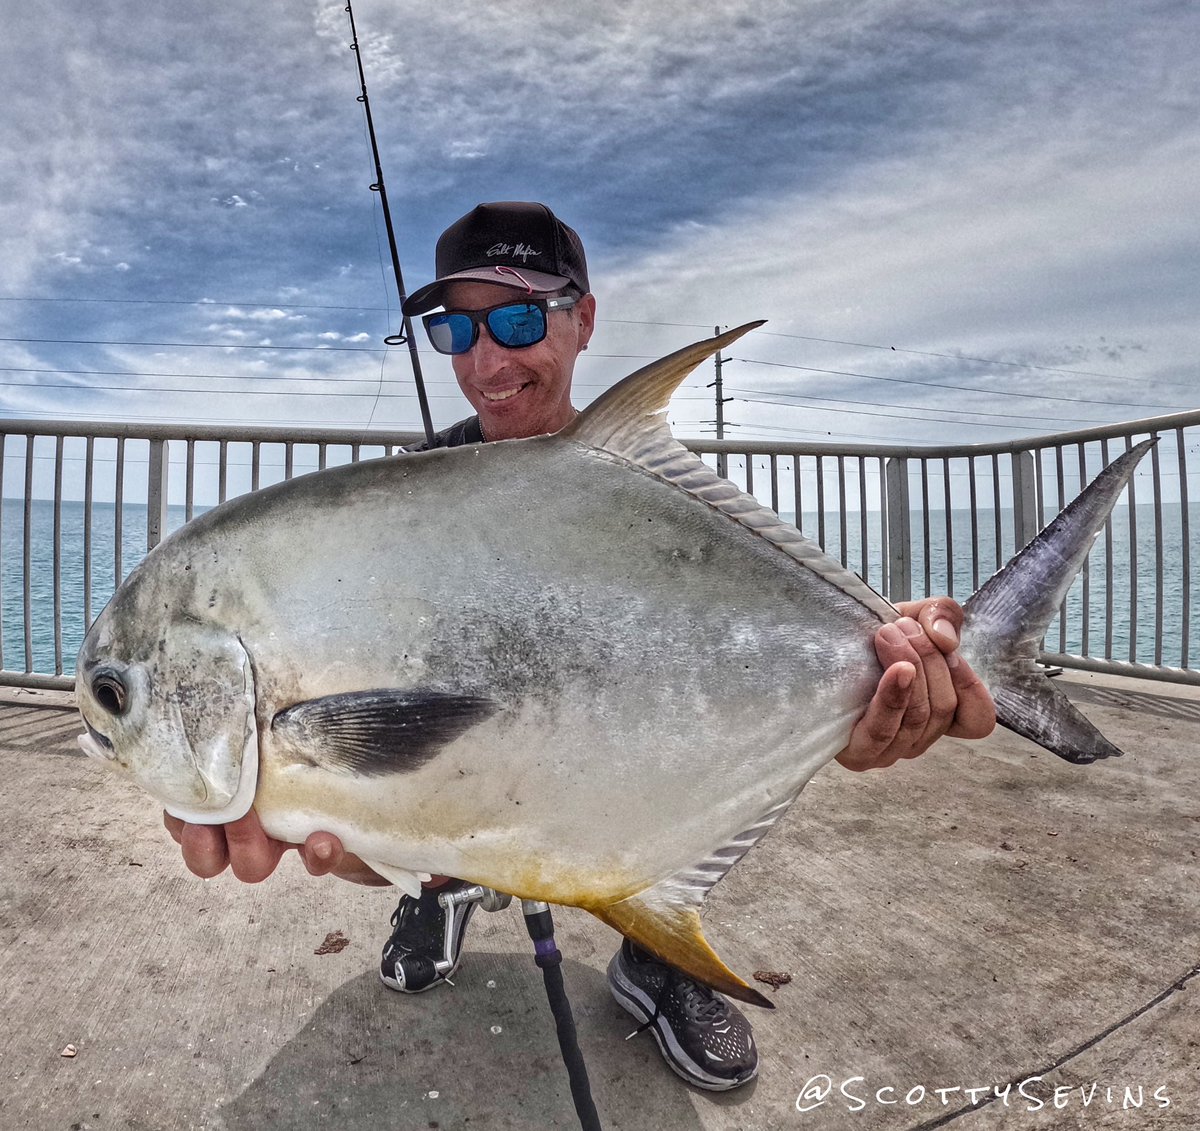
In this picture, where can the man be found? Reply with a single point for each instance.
(517, 312)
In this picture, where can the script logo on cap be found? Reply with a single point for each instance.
(522, 251)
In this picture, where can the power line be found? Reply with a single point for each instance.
(336, 380)
(925, 418)
(939, 385)
(949, 356)
(904, 408)
(194, 345)
(613, 321)
(627, 357)
(204, 302)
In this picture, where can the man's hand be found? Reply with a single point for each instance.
(927, 689)
(209, 849)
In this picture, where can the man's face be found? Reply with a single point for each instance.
(521, 392)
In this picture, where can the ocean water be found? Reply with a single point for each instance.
(30, 643)
(1113, 610)
(1124, 602)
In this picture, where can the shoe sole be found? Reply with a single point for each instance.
(639, 1005)
(392, 984)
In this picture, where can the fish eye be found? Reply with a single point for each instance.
(110, 692)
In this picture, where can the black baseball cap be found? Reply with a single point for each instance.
(513, 243)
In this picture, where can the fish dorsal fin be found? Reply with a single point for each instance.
(629, 421)
(613, 419)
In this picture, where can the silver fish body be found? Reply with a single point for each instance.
(578, 668)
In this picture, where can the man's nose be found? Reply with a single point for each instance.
(486, 356)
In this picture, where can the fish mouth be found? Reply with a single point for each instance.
(96, 745)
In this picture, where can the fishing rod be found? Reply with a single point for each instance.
(538, 920)
(406, 334)
(548, 958)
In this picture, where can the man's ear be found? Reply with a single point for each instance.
(587, 319)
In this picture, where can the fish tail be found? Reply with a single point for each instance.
(1005, 621)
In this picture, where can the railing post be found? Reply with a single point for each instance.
(1024, 489)
(899, 531)
(156, 493)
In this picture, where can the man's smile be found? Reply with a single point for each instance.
(503, 394)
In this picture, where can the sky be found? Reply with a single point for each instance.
(964, 222)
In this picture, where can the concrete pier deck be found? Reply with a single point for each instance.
(986, 916)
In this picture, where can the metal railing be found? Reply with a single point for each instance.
(910, 520)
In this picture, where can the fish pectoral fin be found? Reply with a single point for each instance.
(407, 881)
(672, 933)
(379, 732)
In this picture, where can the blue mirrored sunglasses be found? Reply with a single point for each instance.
(513, 325)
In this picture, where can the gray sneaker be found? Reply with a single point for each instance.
(704, 1038)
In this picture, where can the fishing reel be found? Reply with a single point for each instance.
(459, 906)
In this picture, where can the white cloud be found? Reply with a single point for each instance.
(953, 179)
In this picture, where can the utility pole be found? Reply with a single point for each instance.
(718, 362)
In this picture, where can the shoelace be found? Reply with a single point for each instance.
(711, 1010)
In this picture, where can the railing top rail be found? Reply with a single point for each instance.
(269, 434)
(942, 451)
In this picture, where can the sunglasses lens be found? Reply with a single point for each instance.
(450, 333)
(521, 324)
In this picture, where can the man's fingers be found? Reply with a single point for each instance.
(252, 854)
(940, 617)
(322, 853)
(927, 689)
(976, 713)
(877, 729)
(941, 693)
(930, 687)
(204, 849)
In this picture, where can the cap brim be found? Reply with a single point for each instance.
(531, 282)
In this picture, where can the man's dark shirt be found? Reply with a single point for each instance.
(464, 432)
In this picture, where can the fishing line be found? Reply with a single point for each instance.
(406, 335)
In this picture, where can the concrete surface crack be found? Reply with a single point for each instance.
(951, 1116)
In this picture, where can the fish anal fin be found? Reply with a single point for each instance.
(673, 935)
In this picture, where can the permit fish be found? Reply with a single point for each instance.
(579, 668)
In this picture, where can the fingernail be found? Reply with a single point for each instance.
(910, 628)
(892, 634)
(323, 850)
(946, 628)
(953, 660)
(906, 677)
